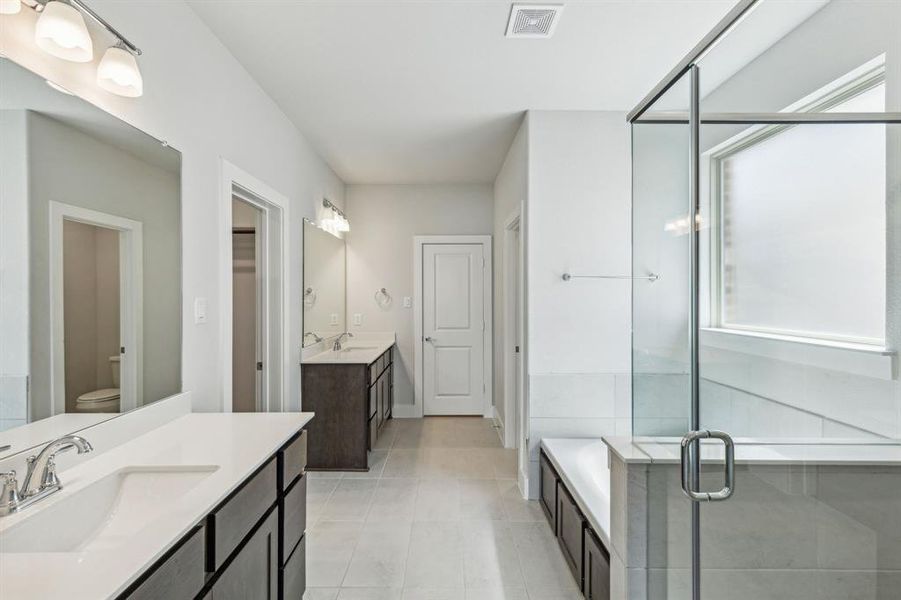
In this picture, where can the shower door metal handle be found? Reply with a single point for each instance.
(689, 465)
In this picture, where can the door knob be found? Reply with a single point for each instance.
(428, 339)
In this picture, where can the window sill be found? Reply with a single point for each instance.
(857, 359)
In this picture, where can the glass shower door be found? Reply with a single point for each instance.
(780, 326)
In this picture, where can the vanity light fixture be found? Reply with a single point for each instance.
(335, 222)
(10, 7)
(61, 31)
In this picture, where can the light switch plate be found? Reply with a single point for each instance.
(408, 302)
(358, 318)
(199, 310)
(334, 319)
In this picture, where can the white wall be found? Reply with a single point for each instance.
(578, 220)
(199, 99)
(14, 343)
(383, 220)
(511, 189)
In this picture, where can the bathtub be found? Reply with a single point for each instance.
(582, 465)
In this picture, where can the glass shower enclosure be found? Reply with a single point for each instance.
(767, 307)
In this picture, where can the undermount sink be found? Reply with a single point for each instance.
(105, 514)
(357, 348)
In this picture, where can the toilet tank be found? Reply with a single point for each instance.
(114, 362)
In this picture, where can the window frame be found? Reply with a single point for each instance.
(862, 79)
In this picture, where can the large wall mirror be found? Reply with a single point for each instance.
(324, 302)
(90, 264)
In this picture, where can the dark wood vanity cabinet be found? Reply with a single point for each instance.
(570, 528)
(253, 571)
(352, 403)
(547, 483)
(595, 568)
(582, 549)
(250, 547)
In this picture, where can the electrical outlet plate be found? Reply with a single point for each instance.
(358, 319)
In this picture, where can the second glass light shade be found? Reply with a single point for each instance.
(118, 73)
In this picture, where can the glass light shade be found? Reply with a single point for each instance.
(61, 31)
(10, 7)
(343, 224)
(118, 73)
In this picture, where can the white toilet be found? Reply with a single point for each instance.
(105, 400)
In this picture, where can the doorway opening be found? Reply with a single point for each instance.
(452, 316)
(513, 350)
(257, 307)
(248, 299)
(97, 311)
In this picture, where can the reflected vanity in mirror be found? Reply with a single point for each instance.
(90, 255)
(324, 301)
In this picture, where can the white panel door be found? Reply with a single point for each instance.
(453, 329)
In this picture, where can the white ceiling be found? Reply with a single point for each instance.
(431, 91)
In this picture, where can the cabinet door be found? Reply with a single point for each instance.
(380, 401)
(548, 490)
(253, 574)
(595, 568)
(387, 378)
(179, 576)
(570, 527)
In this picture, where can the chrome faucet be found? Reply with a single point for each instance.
(40, 478)
(316, 338)
(337, 346)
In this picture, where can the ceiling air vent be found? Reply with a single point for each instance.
(533, 20)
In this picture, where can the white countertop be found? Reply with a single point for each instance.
(236, 443)
(363, 351)
(582, 465)
(811, 451)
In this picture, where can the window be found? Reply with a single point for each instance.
(801, 249)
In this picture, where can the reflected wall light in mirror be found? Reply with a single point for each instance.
(61, 32)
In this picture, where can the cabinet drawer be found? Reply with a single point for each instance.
(373, 431)
(374, 372)
(548, 490)
(234, 518)
(293, 459)
(570, 528)
(295, 521)
(595, 568)
(253, 573)
(373, 399)
(294, 573)
(179, 575)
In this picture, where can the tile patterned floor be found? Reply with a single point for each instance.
(438, 517)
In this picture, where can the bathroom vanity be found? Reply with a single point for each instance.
(206, 506)
(352, 392)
